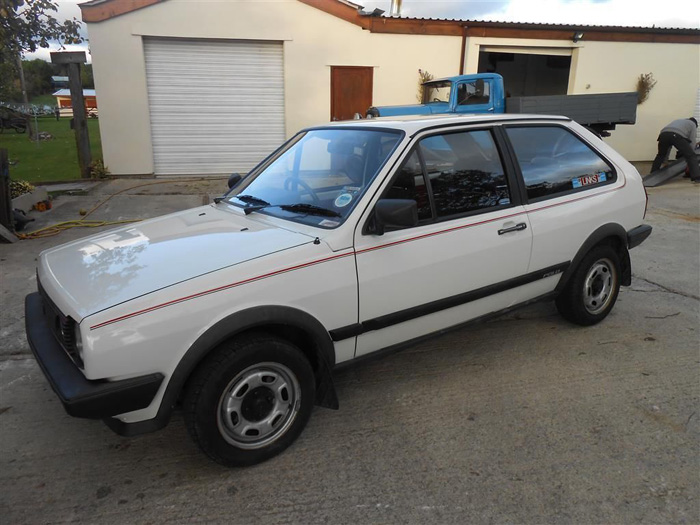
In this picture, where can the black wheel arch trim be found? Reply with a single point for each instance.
(236, 323)
(599, 235)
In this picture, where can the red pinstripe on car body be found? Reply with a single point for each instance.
(220, 288)
(366, 250)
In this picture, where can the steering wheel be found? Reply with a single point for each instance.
(291, 185)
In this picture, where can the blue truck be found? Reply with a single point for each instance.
(485, 93)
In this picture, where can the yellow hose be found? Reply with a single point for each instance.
(55, 229)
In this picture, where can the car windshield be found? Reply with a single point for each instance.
(321, 175)
(436, 92)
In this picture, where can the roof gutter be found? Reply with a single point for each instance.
(100, 10)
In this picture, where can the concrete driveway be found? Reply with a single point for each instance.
(524, 419)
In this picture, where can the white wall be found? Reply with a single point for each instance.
(313, 41)
(612, 67)
(616, 66)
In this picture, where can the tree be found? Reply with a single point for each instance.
(9, 82)
(26, 25)
(86, 77)
(37, 74)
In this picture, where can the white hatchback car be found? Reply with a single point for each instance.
(351, 238)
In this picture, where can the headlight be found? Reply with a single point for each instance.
(78, 338)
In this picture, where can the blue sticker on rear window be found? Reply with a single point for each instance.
(587, 180)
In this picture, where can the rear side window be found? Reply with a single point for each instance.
(554, 161)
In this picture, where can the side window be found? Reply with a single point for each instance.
(410, 184)
(465, 172)
(555, 161)
(473, 93)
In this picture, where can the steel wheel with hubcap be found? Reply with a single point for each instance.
(259, 405)
(250, 399)
(598, 286)
(592, 290)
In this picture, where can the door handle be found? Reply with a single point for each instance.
(517, 228)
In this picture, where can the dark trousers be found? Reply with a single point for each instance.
(668, 139)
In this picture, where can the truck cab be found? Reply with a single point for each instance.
(480, 93)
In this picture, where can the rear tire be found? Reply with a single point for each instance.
(592, 290)
(249, 400)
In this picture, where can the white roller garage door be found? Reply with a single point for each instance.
(216, 107)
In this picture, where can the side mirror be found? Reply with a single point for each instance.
(394, 213)
(234, 179)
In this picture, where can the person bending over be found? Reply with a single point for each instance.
(681, 134)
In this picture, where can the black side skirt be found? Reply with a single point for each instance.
(414, 312)
(379, 354)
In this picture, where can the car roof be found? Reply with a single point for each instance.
(412, 124)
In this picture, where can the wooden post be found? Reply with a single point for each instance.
(6, 219)
(82, 139)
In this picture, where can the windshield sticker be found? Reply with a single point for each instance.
(587, 180)
(328, 223)
(343, 200)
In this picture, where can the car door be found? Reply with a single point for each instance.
(458, 263)
(571, 191)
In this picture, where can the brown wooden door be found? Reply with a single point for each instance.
(351, 91)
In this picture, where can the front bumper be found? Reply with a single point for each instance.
(80, 396)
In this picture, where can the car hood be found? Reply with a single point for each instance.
(100, 271)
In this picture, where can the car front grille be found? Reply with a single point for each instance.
(62, 326)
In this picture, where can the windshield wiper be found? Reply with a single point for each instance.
(249, 199)
(309, 209)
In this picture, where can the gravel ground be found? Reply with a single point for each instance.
(524, 419)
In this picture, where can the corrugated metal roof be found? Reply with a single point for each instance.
(544, 25)
(66, 93)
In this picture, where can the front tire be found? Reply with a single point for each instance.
(592, 290)
(249, 400)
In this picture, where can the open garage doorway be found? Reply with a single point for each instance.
(526, 74)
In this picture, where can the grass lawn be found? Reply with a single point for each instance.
(51, 160)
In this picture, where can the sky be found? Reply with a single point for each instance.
(645, 13)
(666, 13)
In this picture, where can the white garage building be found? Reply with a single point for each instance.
(190, 88)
